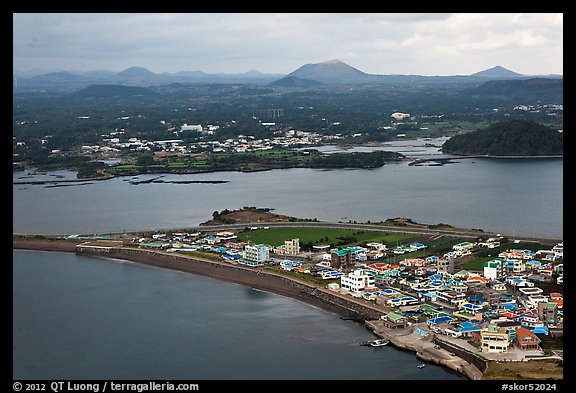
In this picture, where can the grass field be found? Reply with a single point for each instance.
(533, 369)
(334, 237)
(476, 264)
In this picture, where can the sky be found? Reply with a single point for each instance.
(375, 43)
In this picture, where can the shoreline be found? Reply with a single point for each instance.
(411, 162)
(344, 306)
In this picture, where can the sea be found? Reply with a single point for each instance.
(78, 317)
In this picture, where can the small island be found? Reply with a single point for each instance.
(509, 138)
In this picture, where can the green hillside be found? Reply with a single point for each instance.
(508, 138)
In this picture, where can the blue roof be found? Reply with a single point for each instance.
(476, 298)
(471, 306)
(468, 327)
(540, 330)
(440, 320)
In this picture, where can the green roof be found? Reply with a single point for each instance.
(394, 316)
(493, 263)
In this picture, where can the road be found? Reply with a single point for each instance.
(379, 228)
(324, 224)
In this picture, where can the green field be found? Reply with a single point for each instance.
(476, 264)
(313, 236)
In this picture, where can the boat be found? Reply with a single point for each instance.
(421, 365)
(379, 343)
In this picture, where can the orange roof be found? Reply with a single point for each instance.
(522, 333)
(559, 302)
(556, 295)
(478, 278)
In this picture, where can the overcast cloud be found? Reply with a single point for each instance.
(425, 44)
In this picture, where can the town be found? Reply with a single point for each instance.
(499, 309)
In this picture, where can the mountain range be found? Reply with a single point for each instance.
(309, 75)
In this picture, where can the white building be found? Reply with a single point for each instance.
(292, 246)
(357, 280)
(494, 269)
(463, 248)
(255, 255)
(400, 115)
(191, 127)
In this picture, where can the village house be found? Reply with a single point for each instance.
(494, 339)
(358, 280)
(394, 320)
(526, 340)
(255, 255)
(463, 248)
(494, 269)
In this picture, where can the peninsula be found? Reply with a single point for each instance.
(448, 326)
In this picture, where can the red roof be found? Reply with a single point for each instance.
(478, 278)
(522, 333)
(559, 302)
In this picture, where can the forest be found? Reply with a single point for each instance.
(508, 138)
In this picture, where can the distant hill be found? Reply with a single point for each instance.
(188, 74)
(56, 76)
(134, 72)
(328, 72)
(498, 72)
(292, 81)
(508, 138)
(332, 71)
(140, 76)
(100, 91)
(525, 90)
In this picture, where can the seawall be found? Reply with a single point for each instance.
(344, 305)
(255, 278)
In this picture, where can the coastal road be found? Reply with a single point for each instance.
(368, 227)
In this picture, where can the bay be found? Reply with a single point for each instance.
(522, 197)
(78, 317)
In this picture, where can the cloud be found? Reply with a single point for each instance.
(428, 44)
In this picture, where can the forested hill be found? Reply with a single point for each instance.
(508, 138)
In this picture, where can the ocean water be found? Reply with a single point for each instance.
(78, 317)
(513, 197)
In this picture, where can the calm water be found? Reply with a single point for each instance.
(522, 197)
(76, 317)
(84, 318)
